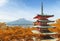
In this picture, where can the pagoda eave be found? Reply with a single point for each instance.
(41, 16)
(45, 21)
(50, 39)
(45, 26)
(49, 33)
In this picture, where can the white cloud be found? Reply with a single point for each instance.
(13, 13)
(3, 2)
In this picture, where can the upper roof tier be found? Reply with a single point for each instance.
(43, 16)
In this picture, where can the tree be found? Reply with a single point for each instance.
(57, 26)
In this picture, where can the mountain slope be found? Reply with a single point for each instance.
(21, 21)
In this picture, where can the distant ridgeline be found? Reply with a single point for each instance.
(20, 22)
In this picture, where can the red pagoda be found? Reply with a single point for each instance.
(42, 25)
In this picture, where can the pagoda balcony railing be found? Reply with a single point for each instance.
(45, 21)
(49, 33)
(44, 26)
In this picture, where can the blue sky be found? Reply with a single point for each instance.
(11, 10)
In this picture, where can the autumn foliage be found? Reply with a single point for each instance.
(8, 33)
(13, 33)
(56, 26)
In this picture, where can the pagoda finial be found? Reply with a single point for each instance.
(41, 8)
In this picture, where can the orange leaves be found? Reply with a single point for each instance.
(58, 21)
(18, 32)
(1, 31)
(6, 37)
(53, 29)
(33, 28)
(57, 26)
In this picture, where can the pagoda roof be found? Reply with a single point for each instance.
(44, 26)
(47, 37)
(49, 33)
(46, 16)
(45, 21)
(55, 39)
(45, 31)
